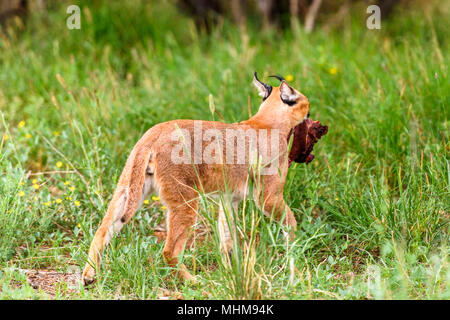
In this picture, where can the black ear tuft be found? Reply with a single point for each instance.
(280, 78)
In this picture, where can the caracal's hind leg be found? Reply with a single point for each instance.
(181, 216)
(112, 223)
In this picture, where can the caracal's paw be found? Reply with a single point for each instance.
(185, 275)
(226, 246)
(88, 275)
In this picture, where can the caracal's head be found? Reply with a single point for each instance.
(283, 102)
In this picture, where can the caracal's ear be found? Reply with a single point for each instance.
(264, 90)
(288, 95)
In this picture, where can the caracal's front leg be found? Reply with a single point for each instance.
(271, 201)
(225, 223)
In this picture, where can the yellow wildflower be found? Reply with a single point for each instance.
(21, 193)
(333, 70)
(28, 136)
(146, 201)
(336, 198)
(5, 137)
(163, 207)
(79, 226)
(289, 77)
(58, 200)
(47, 203)
(56, 133)
(36, 186)
(59, 164)
(72, 188)
(66, 183)
(76, 203)
(34, 181)
(22, 183)
(155, 198)
(69, 198)
(21, 124)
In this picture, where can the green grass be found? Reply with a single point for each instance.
(373, 208)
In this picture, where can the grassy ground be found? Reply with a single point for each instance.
(373, 207)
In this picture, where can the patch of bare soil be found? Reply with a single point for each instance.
(51, 282)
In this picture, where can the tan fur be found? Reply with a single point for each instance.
(149, 168)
